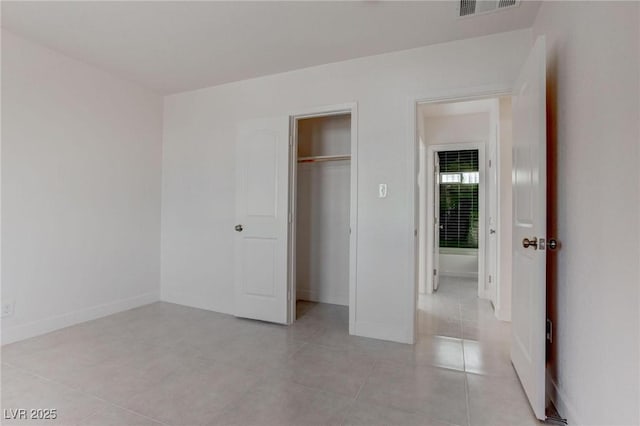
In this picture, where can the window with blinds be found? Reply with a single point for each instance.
(459, 183)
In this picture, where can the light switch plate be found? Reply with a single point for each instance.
(382, 190)
(7, 308)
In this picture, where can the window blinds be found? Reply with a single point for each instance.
(459, 182)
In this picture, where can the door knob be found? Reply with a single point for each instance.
(239, 228)
(552, 244)
(492, 231)
(526, 243)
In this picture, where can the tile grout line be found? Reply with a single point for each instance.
(464, 367)
(377, 359)
(331, 392)
(295, 352)
(347, 347)
(128, 410)
(317, 333)
(415, 412)
(82, 392)
(466, 394)
(366, 379)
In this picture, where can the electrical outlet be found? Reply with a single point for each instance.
(7, 309)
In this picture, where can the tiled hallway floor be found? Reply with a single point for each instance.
(169, 364)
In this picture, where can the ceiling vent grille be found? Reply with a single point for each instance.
(481, 7)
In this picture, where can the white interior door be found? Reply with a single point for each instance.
(262, 193)
(529, 227)
(436, 221)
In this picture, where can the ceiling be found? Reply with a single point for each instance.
(174, 46)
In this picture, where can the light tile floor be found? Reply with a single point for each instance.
(173, 365)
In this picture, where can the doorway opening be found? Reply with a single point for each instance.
(464, 230)
(321, 237)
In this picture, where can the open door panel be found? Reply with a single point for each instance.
(262, 200)
(529, 227)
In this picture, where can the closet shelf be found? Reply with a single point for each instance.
(321, 158)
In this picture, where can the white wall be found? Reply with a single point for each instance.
(330, 135)
(457, 128)
(322, 213)
(457, 263)
(81, 158)
(593, 88)
(198, 167)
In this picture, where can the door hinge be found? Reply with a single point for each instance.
(435, 272)
(288, 295)
(489, 278)
(489, 163)
(290, 219)
(549, 330)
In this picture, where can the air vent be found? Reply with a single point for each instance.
(506, 3)
(481, 7)
(467, 7)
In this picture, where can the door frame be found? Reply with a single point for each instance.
(323, 111)
(455, 94)
(432, 151)
(493, 169)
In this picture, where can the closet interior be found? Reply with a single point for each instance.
(322, 209)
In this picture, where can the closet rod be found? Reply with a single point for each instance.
(321, 158)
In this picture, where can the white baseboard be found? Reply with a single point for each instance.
(36, 328)
(459, 274)
(314, 296)
(502, 315)
(383, 332)
(193, 302)
(561, 402)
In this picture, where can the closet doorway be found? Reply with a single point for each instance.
(322, 222)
